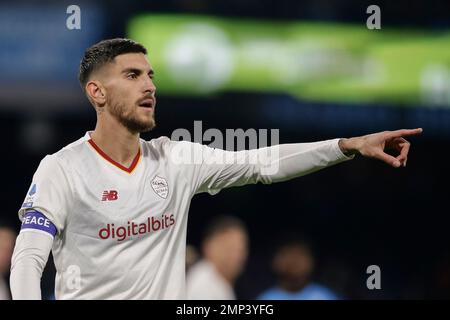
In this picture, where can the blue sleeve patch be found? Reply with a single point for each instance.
(36, 220)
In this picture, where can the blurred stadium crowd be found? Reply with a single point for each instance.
(310, 238)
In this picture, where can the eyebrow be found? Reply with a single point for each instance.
(137, 71)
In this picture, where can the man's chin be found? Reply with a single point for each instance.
(139, 126)
(148, 128)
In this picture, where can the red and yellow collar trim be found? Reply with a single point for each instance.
(115, 163)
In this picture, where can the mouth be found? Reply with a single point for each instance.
(147, 104)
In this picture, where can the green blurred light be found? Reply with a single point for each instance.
(200, 55)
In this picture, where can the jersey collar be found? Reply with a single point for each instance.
(132, 166)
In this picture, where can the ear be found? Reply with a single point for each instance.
(96, 92)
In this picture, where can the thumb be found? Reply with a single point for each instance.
(388, 159)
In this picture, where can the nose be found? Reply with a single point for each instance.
(149, 86)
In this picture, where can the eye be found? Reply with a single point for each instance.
(132, 75)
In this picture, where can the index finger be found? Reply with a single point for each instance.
(405, 132)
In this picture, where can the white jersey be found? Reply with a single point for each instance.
(121, 232)
(204, 282)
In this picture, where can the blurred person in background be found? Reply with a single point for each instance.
(293, 265)
(224, 251)
(7, 239)
(192, 256)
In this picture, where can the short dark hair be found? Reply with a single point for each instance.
(290, 239)
(103, 52)
(223, 223)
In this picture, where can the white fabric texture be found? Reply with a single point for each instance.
(204, 282)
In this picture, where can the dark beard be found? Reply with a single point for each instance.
(132, 124)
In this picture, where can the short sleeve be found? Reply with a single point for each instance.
(49, 193)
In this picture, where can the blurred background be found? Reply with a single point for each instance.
(311, 69)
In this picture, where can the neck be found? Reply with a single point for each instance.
(292, 284)
(116, 141)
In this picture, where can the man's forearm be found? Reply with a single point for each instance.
(295, 160)
(28, 262)
(350, 146)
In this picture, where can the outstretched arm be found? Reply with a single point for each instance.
(211, 170)
(374, 145)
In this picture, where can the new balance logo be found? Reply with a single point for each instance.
(110, 195)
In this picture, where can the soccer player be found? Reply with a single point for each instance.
(113, 208)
